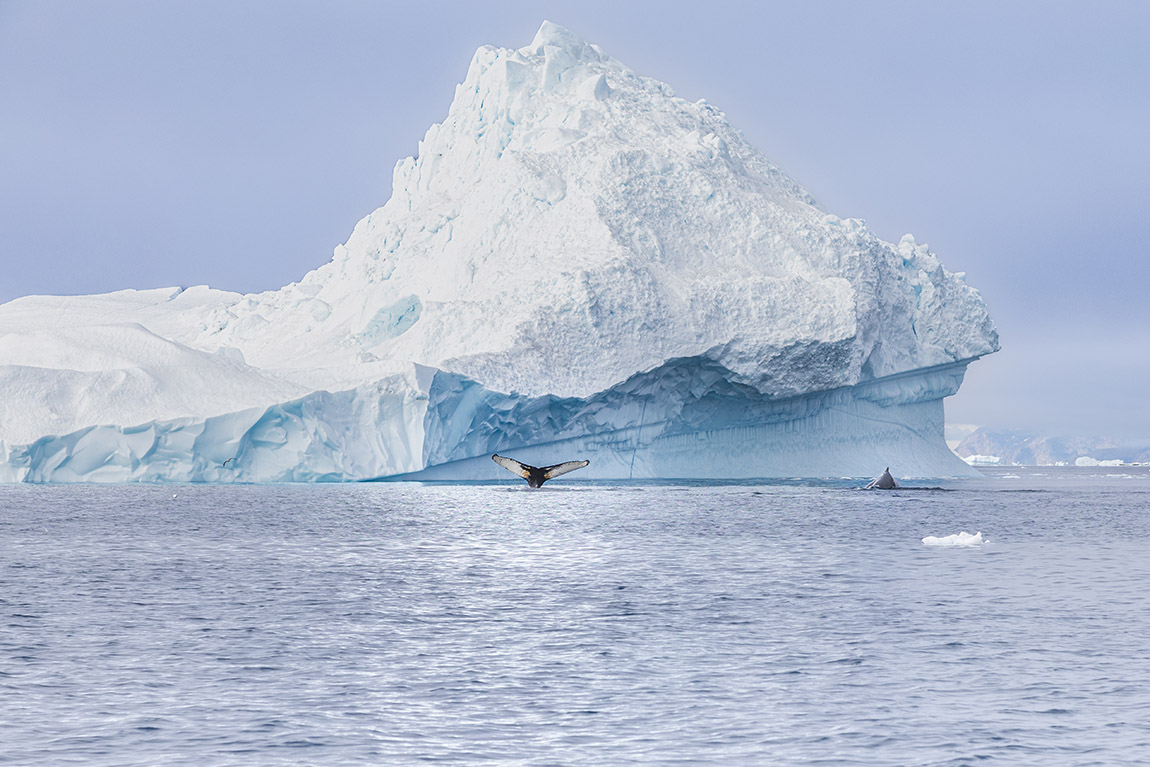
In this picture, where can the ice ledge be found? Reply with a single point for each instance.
(687, 418)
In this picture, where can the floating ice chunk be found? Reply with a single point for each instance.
(961, 539)
(1086, 460)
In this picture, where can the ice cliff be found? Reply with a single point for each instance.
(576, 262)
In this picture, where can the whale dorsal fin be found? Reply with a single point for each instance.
(883, 482)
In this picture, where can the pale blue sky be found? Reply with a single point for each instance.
(146, 144)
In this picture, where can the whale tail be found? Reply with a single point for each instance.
(537, 475)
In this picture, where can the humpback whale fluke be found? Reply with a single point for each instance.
(883, 482)
(536, 476)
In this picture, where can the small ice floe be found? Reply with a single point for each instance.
(961, 539)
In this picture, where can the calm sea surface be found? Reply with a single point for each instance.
(757, 624)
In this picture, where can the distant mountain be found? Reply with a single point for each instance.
(1032, 449)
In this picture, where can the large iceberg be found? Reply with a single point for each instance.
(577, 263)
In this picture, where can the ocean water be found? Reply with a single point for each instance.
(583, 623)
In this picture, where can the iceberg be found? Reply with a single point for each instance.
(577, 263)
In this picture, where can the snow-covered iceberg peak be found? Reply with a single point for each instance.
(564, 99)
(571, 223)
(552, 35)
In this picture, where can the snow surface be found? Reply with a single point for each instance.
(569, 227)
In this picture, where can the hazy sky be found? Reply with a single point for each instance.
(147, 144)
